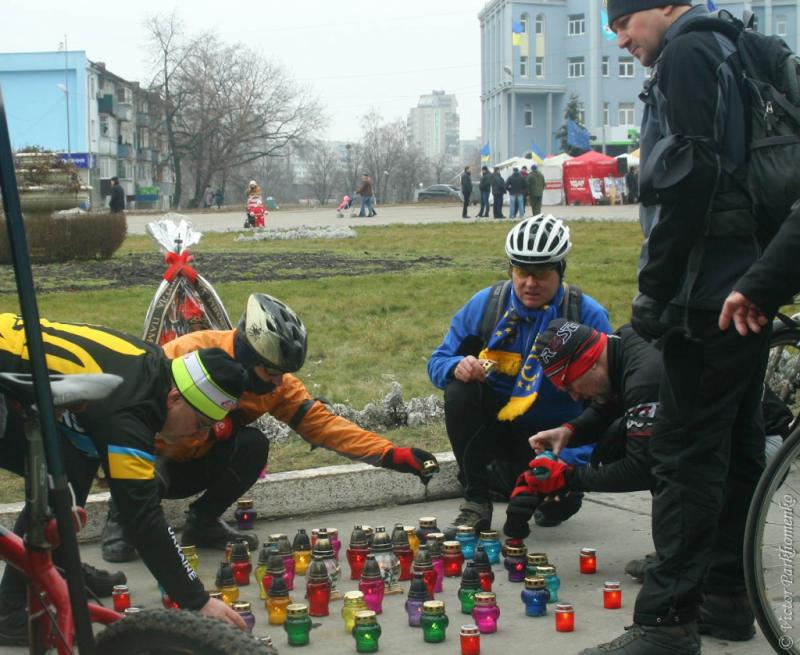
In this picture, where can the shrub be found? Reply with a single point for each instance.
(64, 238)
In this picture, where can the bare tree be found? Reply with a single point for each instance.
(324, 168)
(412, 168)
(443, 167)
(381, 143)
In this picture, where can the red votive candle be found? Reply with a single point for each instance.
(588, 560)
(612, 595)
(565, 617)
(470, 640)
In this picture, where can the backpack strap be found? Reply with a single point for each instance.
(572, 303)
(494, 308)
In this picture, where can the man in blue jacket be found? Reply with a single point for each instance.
(494, 392)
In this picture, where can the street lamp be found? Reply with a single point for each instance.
(63, 88)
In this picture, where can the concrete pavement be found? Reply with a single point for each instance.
(225, 219)
(617, 525)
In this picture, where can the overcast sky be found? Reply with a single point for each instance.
(355, 55)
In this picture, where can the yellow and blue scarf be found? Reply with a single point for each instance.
(514, 358)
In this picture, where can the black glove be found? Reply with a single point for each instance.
(647, 317)
(411, 460)
(520, 509)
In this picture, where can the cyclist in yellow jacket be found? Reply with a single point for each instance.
(270, 342)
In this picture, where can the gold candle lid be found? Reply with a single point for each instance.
(546, 569)
(433, 607)
(332, 532)
(427, 521)
(215, 594)
(564, 607)
(188, 550)
(489, 535)
(437, 537)
(365, 617)
(241, 606)
(534, 582)
(612, 585)
(353, 595)
(452, 547)
(297, 609)
(246, 503)
(537, 559)
(465, 529)
(516, 551)
(485, 598)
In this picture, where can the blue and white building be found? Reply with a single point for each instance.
(536, 53)
(107, 126)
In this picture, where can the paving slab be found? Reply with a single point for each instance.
(618, 526)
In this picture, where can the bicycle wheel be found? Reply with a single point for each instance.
(773, 585)
(783, 366)
(176, 632)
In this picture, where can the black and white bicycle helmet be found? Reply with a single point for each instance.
(274, 333)
(541, 239)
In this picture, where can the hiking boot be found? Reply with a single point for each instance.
(13, 626)
(100, 582)
(651, 640)
(213, 532)
(115, 547)
(636, 567)
(727, 617)
(476, 515)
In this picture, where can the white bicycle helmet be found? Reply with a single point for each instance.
(274, 333)
(538, 240)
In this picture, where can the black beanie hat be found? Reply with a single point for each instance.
(210, 380)
(620, 8)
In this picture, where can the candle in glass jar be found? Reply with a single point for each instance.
(470, 640)
(612, 595)
(121, 597)
(588, 560)
(565, 617)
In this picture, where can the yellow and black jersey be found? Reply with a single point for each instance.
(120, 430)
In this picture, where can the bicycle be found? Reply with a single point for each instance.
(783, 365)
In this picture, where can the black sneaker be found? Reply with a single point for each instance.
(101, 583)
(649, 640)
(207, 532)
(727, 617)
(14, 626)
(476, 515)
(115, 547)
(636, 567)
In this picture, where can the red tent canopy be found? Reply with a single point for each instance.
(578, 170)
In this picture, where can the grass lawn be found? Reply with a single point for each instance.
(365, 330)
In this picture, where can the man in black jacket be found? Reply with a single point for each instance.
(517, 188)
(498, 191)
(700, 238)
(117, 202)
(485, 187)
(466, 190)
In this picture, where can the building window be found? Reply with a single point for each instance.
(528, 115)
(524, 22)
(581, 114)
(605, 67)
(539, 66)
(755, 22)
(540, 24)
(103, 125)
(626, 66)
(523, 66)
(576, 25)
(780, 25)
(648, 72)
(575, 67)
(605, 114)
(626, 113)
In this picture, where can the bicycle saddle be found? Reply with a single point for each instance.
(66, 389)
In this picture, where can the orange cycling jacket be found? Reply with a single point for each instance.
(290, 403)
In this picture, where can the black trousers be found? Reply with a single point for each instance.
(708, 452)
(477, 437)
(498, 205)
(465, 208)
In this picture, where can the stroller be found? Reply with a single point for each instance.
(346, 203)
(256, 212)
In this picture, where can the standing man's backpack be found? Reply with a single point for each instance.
(770, 75)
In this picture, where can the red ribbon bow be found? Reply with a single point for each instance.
(179, 265)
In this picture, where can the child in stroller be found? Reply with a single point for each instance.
(344, 206)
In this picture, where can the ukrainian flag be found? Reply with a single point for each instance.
(130, 464)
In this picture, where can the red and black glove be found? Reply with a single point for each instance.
(520, 509)
(227, 427)
(546, 476)
(411, 460)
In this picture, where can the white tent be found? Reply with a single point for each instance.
(515, 162)
(552, 169)
(632, 157)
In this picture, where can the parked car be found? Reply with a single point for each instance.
(439, 192)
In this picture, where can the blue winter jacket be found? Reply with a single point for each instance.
(552, 407)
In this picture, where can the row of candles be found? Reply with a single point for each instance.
(379, 561)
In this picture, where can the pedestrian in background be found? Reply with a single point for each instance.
(218, 197)
(517, 188)
(485, 187)
(535, 189)
(208, 197)
(498, 191)
(117, 201)
(364, 191)
(524, 173)
(632, 183)
(466, 190)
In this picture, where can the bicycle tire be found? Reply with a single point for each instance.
(783, 366)
(177, 632)
(768, 569)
